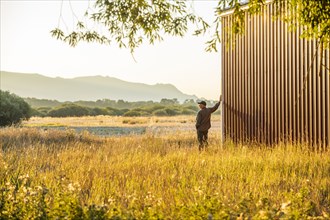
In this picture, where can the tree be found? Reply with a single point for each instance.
(131, 22)
(69, 110)
(165, 101)
(13, 109)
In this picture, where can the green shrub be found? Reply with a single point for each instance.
(37, 113)
(13, 109)
(116, 112)
(69, 110)
(44, 110)
(192, 107)
(137, 112)
(188, 112)
(98, 111)
(153, 108)
(160, 112)
(172, 111)
(132, 113)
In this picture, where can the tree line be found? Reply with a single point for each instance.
(14, 109)
(74, 110)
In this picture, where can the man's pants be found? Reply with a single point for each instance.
(202, 138)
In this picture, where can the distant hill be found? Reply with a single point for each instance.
(88, 88)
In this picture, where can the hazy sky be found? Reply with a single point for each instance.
(27, 47)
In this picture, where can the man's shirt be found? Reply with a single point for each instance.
(203, 119)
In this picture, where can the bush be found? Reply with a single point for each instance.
(98, 111)
(152, 108)
(160, 112)
(116, 112)
(44, 110)
(37, 113)
(188, 112)
(137, 112)
(13, 109)
(172, 111)
(69, 110)
(132, 113)
(192, 107)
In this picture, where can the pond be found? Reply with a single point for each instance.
(101, 131)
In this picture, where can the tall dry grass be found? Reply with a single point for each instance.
(57, 174)
(113, 121)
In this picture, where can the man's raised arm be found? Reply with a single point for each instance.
(214, 108)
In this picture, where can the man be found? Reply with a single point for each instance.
(203, 122)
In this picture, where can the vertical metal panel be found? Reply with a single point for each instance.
(245, 78)
(305, 89)
(241, 76)
(232, 87)
(285, 81)
(253, 78)
(235, 89)
(309, 91)
(322, 100)
(313, 96)
(250, 77)
(289, 86)
(294, 81)
(277, 73)
(223, 61)
(272, 89)
(318, 106)
(282, 80)
(257, 98)
(271, 97)
(268, 80)
(224, 78)
(298, 99)
(327, 99)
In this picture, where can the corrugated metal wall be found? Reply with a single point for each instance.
(268, 95)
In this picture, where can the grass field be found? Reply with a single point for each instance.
(118, 126)
(113, 121)
(57, 174)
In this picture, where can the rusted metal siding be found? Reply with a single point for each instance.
(271, 86)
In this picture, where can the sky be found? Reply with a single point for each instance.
(27, 47)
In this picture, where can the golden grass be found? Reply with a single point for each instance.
(168, 176)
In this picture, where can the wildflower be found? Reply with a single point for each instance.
(10, 197)
(159, 201)
(111, 200)
(199, 190)
(33, 193)
(23, 177)
(285, 206)
(4, 165)
(241, 216)
(71, 187)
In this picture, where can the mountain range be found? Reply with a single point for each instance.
(89, 88)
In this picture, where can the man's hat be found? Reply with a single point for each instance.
(202, 102)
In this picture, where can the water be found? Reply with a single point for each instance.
(102, 131)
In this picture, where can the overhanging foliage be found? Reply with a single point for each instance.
(131, 22)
